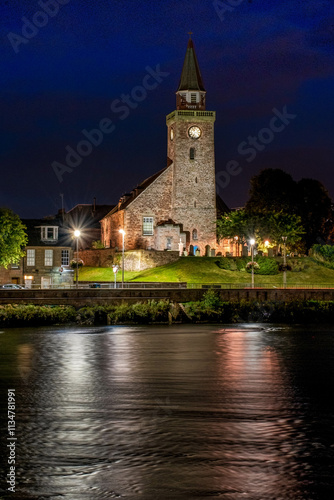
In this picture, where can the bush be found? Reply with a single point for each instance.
(97, 245)
(141, 312)
(31, 315)
(323, 254)
(267, 266)
(211, 300)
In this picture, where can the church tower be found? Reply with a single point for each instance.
(191, 156)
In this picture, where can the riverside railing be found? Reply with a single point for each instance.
(184, 285)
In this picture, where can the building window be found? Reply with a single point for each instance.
(48, 258)
(15, 266)
(195, 236)
(49, 233)
(169, 243)
(192, 154)
(147, 226)
(65, 257)
(193, 98)
(195, 204)
(30, 257)
(196, 180)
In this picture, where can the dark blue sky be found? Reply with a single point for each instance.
(257, 56)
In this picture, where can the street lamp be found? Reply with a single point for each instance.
(77, 235)
(284, 238)
(236, 244)
(252, 243)
(266, 246)
(123, 234)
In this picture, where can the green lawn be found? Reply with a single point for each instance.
(204, 270)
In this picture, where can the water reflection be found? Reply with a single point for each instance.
(160, 413)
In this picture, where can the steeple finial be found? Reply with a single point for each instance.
(191, 78)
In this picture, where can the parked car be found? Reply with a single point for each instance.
(12, 286)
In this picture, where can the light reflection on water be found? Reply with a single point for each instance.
(182, 412)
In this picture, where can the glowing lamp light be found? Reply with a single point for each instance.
(77, 234)
(123, 234)
(266, 243)
(252, 241)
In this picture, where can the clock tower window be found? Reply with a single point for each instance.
(192, 154)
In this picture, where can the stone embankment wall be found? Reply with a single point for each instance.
(89, 296)
(134, 260)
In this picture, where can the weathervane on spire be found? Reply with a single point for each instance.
(190, 33)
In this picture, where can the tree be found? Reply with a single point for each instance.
(315, 211)
(272, 190)
(12, 238)
(261, 226)
(238, 223)
(275, 225)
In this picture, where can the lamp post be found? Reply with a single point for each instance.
(284, 238)
(123, 234)
(252, 243)
(77, 235)
(236, 245)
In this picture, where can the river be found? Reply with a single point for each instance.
(170, 413)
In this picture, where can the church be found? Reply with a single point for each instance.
(177, 207)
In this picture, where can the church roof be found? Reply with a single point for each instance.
(87, 215)
(191, 78)
(129, 197)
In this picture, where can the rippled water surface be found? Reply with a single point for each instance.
(182, 412)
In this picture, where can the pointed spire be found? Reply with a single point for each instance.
(191, 78)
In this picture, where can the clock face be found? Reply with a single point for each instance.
(194, 132)
(171, 134)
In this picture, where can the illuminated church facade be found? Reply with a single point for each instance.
(178, 206)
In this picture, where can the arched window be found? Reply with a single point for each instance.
(195, 204)
(194, 234)
(192, 154)
(196, 180)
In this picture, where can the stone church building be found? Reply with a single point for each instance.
(178, 204)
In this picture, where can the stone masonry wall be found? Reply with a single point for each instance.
(11, 275)
(154, 202)
(91, 296)
(110, 226)
(134, 260)
(194, 194)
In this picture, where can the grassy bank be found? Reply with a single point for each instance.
(209, 310)
(206, 270)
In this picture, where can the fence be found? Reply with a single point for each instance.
(183, 285)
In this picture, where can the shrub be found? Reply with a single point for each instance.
(31, 315)
(323, 255)
(97, 245)
(211, 300)
(266, 266)
(74, 262)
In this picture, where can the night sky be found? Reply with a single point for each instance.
(256, 57)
